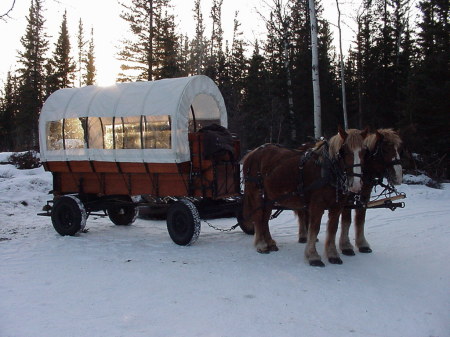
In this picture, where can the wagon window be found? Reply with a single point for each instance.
(74, 135)
(107, 133)
(95, 131)
(118, 133)
(131, 132)
(156, 132)
(54, 135)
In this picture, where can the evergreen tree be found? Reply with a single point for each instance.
(301, 60)
(8, 111)
(237, 69)
(198, 44)
(151, 28)
(31, 77)
(215, 52)
(167, 48)
(428, 106)
(256, 102)
(89, 62)
(62, 65)
(81, 53)
(184, 52)
(330, 88)
(279, 60)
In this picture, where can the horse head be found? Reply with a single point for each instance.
(384, 155)
(347, 149)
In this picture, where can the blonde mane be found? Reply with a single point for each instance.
(389, 136)
(354, 141)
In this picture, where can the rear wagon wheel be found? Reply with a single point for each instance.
(183, 222)
(123, 215)
(68, 215)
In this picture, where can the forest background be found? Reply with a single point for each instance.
(396, 70)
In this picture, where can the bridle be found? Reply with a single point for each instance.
(378, 156)
(341, 157)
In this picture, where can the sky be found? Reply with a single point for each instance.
(109, 28)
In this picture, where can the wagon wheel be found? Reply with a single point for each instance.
(183, 222)
(68, 215)
(123, 214)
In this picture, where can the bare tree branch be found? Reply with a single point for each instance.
(4, 16)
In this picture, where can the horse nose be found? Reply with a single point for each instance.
(355, 185)
(398, 177)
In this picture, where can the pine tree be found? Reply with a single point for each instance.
(301, 61)
(89, 62)
(237, 69)
(167, 48)
(8, 110)
(215, 52)
(256, 102)
(198, 44)
(332, 115)
(147, 22)
(428, 104)
(62, 65)
(31, 77)
(81, 53)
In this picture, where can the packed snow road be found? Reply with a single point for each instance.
(134, 281)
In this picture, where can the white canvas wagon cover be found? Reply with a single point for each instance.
(128, 122)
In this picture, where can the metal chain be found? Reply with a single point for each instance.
(220, 229)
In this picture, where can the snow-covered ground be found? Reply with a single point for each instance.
(133, 281)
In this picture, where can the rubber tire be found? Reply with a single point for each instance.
(123, 215)
(68, 215)
(183, 222)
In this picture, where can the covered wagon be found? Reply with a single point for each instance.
(115, 148)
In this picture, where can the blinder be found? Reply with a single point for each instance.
(340, 156)
(379, 153)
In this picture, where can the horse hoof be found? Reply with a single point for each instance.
(273, 249)
(335, 260)
(348, 252)
(303, 240)
(365, 250)
(316, 263)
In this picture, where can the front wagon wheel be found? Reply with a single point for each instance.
(68, 215)
(183, 222)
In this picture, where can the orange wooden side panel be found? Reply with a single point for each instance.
(199, 178)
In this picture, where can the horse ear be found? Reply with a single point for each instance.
(379, 136)
(342, 133)
(365, 132)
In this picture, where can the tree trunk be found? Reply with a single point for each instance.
(315, 71)
(344, 98)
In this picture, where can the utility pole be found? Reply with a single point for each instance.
(315, 72)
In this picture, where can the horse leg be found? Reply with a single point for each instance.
(315, 216)
(330, 241)
(247, 209)
(360, 240)
(303, 224)
(344, 240)
(263, 240)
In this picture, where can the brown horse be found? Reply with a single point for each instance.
(313, 181)
(382, 161)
